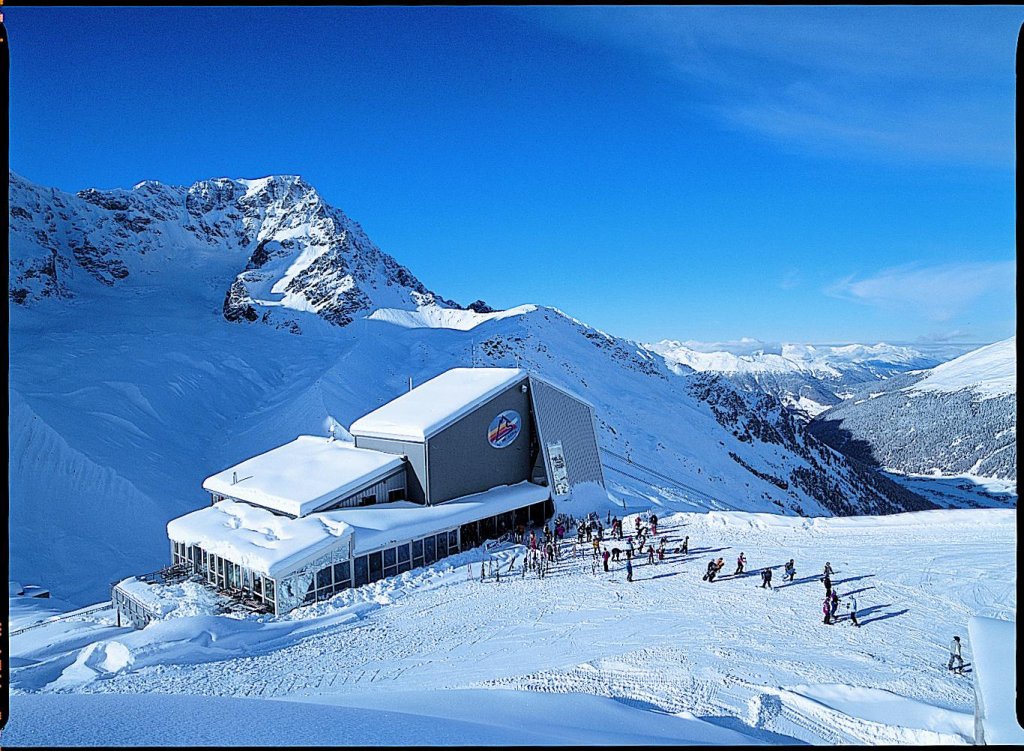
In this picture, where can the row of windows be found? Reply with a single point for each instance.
(224, 574)
(383, 563)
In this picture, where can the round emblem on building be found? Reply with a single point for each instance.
(504, 429)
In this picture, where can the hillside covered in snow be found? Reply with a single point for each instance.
(959, 418)
(807, 378)
(162, 333)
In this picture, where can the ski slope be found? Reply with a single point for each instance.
(679, 660)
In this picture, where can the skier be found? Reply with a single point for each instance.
(954, 654)
(654, 525)
(629, 570)
(719, 565)
(629, 548)
(766, 578)
(790, 571)
(661, 549)
(685, 550)
(579, 534)
(828, 585)
(587, 528)
(740, 562)
(616, 552)
(851, 604)
(828, 569)
(605, 556)
(833, 605)
(826, 608)
(710, 574)
(650, 554)
(597, 548)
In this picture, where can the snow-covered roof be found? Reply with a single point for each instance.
(300, 477)
(993, 646)
(436, 404)
(258, 539)
(276, 545)
(376, 526)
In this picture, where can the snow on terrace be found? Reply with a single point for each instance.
(301, 476)
(432, 406)
(257, 539)
(276, 545)
(993, 644)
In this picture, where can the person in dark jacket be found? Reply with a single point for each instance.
(766, 578)
(605, 555)
(629, 570)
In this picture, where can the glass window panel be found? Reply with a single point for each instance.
(361, 571)
(390, 571)
(341, 572)
(403, 552)
(257, 584)
(404, 566)
(429, 553)
(417, 548)
(323, 578)
(269, 588)
(453, 539)
(389, 557)
(442, 545)
(376, 566)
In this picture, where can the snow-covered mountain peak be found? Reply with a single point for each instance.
(278, 249)
(989, 372)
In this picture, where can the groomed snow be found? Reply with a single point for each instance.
(258, 539)
(990, 371)
(993, 644)
(432, 406)
(303, 475)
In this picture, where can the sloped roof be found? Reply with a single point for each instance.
(300, 476)
(432, 406)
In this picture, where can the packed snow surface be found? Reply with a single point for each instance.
(990, 371)
(303, 475)
(665, 647)
(432, 406)
(995, 678)
(253, 537)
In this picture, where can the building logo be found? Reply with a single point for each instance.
(504, 429)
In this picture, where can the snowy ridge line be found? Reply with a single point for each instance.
(63, 617)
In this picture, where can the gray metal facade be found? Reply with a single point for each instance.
(416, 468)
(380, 491)
(461, 459)
(562, 418)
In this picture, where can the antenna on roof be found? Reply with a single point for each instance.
(234, 478)
(410, 383)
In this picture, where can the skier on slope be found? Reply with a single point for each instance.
(654, 525)
(650, 554)
(833, 605)
(629, 570)
(828, 570)
(851, 604)
(826, 608)
(685, 547)
(790, 570)
(766, 578)
(740, 562)
(629, 548)
(954, 655)
(710, 574)
(605, 556)
(661, 549)
(828, 585)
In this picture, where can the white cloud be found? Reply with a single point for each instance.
(937, 292)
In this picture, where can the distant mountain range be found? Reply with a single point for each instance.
(808, 378)
(958, 418)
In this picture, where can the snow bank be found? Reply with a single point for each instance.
(300, 476)
(993, 644)
(464, 718)
(257, 539)
(178, 600)
(418, 414)
(434, 317)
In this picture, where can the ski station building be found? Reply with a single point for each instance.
(462, 458)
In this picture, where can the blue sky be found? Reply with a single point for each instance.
(787, 174)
